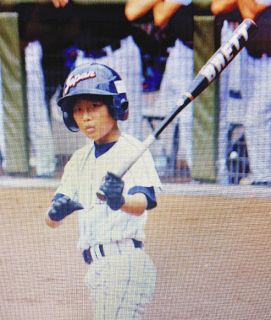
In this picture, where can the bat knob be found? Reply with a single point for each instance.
(101, 196)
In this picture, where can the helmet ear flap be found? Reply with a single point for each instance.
(121, 106)
(69, 121)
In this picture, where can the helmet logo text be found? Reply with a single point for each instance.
(73, 80)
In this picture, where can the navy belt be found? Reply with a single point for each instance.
(89, 257)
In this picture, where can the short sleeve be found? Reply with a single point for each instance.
(149, 193)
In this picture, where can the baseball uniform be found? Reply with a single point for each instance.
(121, 276)
(176, 79)
(246, 99)
(39, 124)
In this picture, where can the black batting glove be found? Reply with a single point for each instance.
(62, 207)
(112, 189)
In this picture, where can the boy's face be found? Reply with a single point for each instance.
(94, 120)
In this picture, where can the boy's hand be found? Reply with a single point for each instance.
(112, 189)
(62, 207)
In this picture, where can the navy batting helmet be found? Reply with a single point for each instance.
(93, 80)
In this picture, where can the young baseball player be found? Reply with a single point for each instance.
(121, 276)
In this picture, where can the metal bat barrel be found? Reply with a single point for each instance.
(222, 57)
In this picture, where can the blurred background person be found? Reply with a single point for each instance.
(42, 157)
(153, 42)
(177, 16)
(249, 86)
(173, 19)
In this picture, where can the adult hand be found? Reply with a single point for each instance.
(60, 3)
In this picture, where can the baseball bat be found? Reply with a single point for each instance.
(207, 74)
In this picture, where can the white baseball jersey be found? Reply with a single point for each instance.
(121, 282)
(83, 175)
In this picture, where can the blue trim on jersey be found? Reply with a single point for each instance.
(149, 193)
(100, 149)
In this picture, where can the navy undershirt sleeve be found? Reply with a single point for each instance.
(149, 193)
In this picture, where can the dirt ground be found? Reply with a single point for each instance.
(213, 258)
